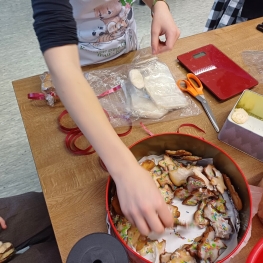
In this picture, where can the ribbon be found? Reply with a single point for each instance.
(189, 125)
(36, 96)
(74, 133)
(108, 92)
(147, 131)
(70, 142)
(42, 96)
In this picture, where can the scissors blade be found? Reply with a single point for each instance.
(208, 111)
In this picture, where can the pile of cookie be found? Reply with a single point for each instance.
(178, 177)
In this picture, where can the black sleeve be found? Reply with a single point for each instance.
(54, 23)
(252, 9)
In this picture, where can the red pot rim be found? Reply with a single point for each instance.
(174, 133)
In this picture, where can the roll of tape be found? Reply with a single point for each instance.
(98, 248)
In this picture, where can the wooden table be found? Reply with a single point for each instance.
(74, 186)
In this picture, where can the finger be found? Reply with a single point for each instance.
(2, 223)
(165, 216)
(154, 222)
(141, 224)
(155, 40)
(130, 219)
(171, 38)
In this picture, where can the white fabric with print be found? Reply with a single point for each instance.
(106, 29)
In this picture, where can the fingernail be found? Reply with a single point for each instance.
(153, 51)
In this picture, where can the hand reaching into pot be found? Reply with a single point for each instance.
(141, 201)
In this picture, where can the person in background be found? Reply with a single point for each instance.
(228, 12)
(77, 32)
(25, 223)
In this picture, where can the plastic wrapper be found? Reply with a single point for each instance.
(150, 95)
(254, 61)
(159, 99)
(158, 93)
(47, 88)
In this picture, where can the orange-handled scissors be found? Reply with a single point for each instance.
(194, 86)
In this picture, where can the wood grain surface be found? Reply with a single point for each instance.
(74, 186)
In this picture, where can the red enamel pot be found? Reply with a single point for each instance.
(156, 145)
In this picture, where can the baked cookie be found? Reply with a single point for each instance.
(198, 172)
(219, 204)
(209, 247)
(6, 251)
(133, 236)
(235, 197)
(178, 176)
(167, 193)
(168, 163)
(116, 205)
(199, 219)
(194, 182)
(181, 193)
(197, 196)
(222, 226)
(165, 258)
(123, 225)
(218, 181)
(175, 212)
(181, 255)
(153, 250)
(192, 248)
(178, 153)
(239, 116)
(165, 179)
(148, 165)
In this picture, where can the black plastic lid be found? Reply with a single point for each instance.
(98, 248)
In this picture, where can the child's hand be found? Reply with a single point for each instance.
(2, 223)
(141, 201)
(163, 24)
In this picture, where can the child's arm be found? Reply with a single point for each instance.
(140, 200)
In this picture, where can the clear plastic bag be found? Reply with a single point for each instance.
(158, 94)
(159, 100)
(140, 104)
(254, 61)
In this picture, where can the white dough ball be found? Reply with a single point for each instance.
(239, 116)
(136, 78)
